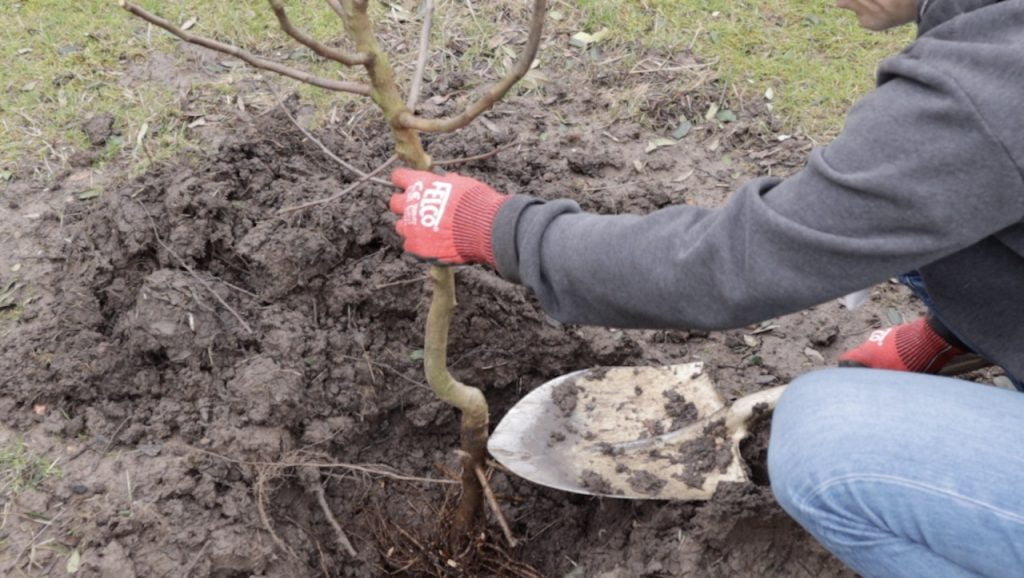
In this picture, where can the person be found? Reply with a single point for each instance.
(898, 473)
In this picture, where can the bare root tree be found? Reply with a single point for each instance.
(406, 126)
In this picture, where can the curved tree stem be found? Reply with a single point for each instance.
(469, 400)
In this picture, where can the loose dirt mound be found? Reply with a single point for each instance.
(195, 352)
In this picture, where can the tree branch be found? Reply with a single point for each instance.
(337, 8)
(258, 62)
(346, 165)
(421, 61)
(355, 185)
(358, 59)
(495, 92)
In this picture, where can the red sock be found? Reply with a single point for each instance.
(910, 347)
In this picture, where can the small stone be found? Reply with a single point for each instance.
(814, 355)
(151, 450)
(79, 489)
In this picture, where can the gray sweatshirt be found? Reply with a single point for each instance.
(926, 175)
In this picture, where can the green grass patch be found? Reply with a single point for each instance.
(813, 56)
(21, 469)
(65, 62)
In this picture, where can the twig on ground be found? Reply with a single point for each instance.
(316, 542)
(344, 192)
(421, 60)
(403, 282)
(368, 469)
(480, 157)
(261, 482)
(493, 502)
(343, 540)
(472, 14)
(392, 370)
(46, 526)
(195, 560)
(669, 69)
(347, 165)
(195, 275)
(113, 436)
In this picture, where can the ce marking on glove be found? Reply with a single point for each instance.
(427, 206)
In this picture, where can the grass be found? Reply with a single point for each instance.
(67, 61)
(21, 469)
(813, 56)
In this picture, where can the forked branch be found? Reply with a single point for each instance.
(257, 61)
(358, 59)
(493, 94)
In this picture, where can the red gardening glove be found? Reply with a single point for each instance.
(913, 347)
(447, 218)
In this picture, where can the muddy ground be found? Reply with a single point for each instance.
(198, 365)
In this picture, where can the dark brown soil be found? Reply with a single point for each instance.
(681, 411)
(565, 396)
(195, 359)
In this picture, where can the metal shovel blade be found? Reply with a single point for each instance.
(658, 433)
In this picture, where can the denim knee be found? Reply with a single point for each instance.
(787, 449)
(817, 427)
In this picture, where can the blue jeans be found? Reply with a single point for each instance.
(903, 474)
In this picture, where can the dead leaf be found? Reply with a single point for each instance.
(726, 115)
(74, 562)
(659, 143)
(535, 79)
(189, 23)
(712, 112)
(814, 355)
(583, 39)
(142, 135)
(682, 130)
(683, 177)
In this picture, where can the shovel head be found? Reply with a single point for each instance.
(602, 432)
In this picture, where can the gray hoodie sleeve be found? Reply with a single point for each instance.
(916, 175)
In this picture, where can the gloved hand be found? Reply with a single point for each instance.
(447, 218)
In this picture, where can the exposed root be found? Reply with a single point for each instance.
(425, 551)
(343, 540)
(261, 500)
(496, 508)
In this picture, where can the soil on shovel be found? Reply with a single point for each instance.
(207, 369)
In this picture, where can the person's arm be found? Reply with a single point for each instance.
(915, 175)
